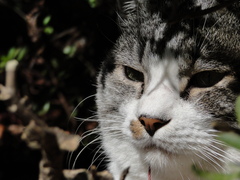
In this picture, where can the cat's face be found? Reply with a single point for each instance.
(163, 88)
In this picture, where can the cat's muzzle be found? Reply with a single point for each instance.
(151, 125)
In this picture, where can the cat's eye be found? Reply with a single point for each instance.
(133, 74)
(206, 79)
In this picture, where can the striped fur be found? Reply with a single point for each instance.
(189, 54)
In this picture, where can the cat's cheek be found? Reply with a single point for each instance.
(128, 111)
(135, 133)
(137, 130)
(131, 125)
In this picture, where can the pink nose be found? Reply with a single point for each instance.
(152, 124)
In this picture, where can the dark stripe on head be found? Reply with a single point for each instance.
(107, 67)
(142, 45)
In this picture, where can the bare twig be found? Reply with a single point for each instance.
(33, 31)
(52, 142)
(9, 90)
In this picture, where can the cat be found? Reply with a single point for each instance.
(172, 75)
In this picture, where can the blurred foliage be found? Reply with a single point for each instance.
(70, 50)
(216, 176)
(237, 107)
(13, 53)
(231, 139)
(60, 45)
(47, 29)
(94, 3)
(60, 54)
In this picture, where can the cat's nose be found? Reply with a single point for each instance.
(152, 124)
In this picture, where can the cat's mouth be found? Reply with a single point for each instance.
(138, 133)
(154, 148)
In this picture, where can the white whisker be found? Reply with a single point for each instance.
(93, 141)
(84, 136)
(80, 104)
(96, 158)
(206, 160)
(89, 119)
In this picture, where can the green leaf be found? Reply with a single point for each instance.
(61, 74)
(70, 50)
(2, 65)
(215, 176)
(3, 58)
(22, 53)
(94, 3)
(46, 20)
(44, 109)
(237, 109)
(231, 139)
(67, 50)
(48, 30)
(54, 63)
(12, 53)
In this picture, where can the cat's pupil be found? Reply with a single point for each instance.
(133, 74)
(206, 79)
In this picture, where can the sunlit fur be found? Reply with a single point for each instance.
(170, 55)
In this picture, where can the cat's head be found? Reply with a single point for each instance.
(172, 75)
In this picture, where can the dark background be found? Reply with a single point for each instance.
(60, 45)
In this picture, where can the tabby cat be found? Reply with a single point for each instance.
(171, 78)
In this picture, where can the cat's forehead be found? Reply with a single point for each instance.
(207, 38)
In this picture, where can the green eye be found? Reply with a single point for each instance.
(133, 74)
(206, 79)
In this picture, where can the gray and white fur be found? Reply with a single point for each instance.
(181, 69)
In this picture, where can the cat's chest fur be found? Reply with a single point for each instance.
(163, 89)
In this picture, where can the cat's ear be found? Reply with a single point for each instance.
(125, 11)
(127, 6)
(129, 10)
